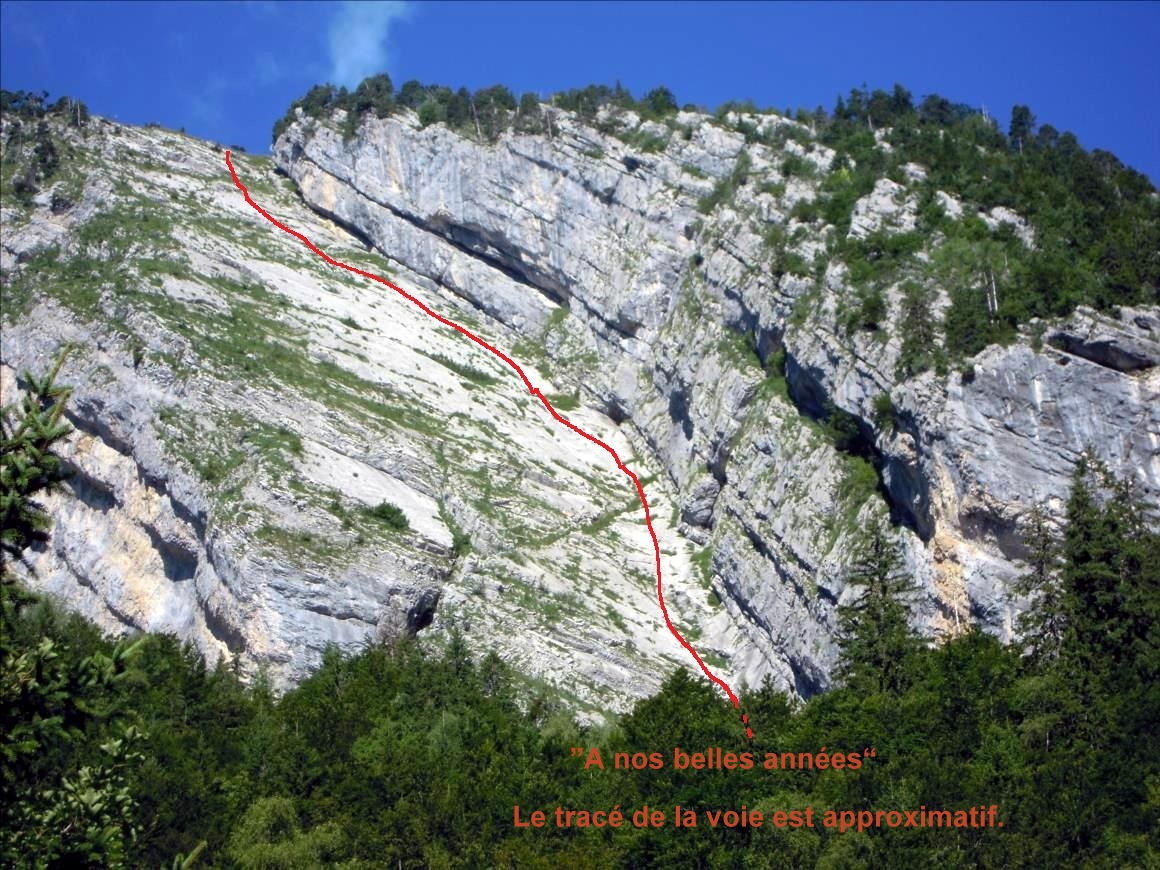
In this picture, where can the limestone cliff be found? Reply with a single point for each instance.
(240, 404)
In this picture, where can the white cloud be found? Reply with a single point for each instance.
(359, 39)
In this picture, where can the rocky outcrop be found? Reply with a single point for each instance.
(1130, 346)
(241, 407)
(683, 312)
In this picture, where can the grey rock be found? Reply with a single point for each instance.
(964, 465)
(1132, 345)
(595, 268)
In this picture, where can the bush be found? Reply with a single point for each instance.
(871, 309)
(919, 349)
(883, 414)
(390, 515)
(725, 188)
(431, 113)
(317, 103)
(796, 166)
(806, 211)
(460, 543)
(776, 363)
(859, 482)
(646, 143)
(844, 429)
(658, 103)
(720, 193)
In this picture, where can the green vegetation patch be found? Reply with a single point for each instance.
(726, 188)
(389, 515)
(467, 372)
(342, 768)
(564, 401)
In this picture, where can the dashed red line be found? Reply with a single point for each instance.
(533, 390)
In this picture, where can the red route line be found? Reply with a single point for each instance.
(535, 392)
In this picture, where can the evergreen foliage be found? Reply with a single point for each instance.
(65, 798)
(29, 105)
(1096, 222)
(875, 637)
(390, 515)
(883, 414)
(658, 103)
(31, 156)
(919, 350)
(1041, 625)
(28, 465)
(399, 757)
(483, 115)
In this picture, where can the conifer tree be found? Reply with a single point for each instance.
(1094, 702)
(61, 802)
(28, 466)
(1111, 579)
(1042, 624)
(1093, 586)
(1139, 578)
(876, 640)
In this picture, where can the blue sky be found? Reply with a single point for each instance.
(227, 71)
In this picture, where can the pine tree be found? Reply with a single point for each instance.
(876, 640)
(1138, 567)
(28, 466)
(1093, 588)
(1098, 701)
(1042, 624)
(269, 835)
(659, 103)
(919, 344)
(1022, 127)
(69, 747)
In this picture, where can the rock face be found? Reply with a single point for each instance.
(240, 405)
(241, 408)
(616, 237)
